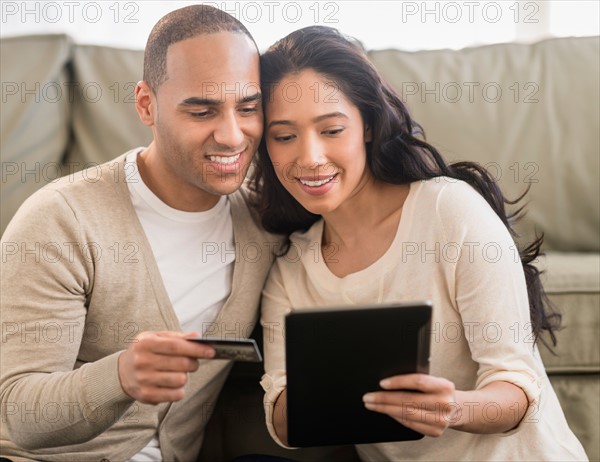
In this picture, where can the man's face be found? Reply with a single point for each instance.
(207, 118)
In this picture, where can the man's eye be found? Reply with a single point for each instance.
(249, 109)
(200, 114)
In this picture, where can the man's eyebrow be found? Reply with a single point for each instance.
(198, 101)
(314, 120)
(250, 98)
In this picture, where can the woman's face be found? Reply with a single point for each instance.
(316, 141)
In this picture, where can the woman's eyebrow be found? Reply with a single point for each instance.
(314, 120)
(329, 115)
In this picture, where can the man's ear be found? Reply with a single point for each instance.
(368, 134)
(145, 103)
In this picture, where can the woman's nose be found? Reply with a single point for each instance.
(310, 154)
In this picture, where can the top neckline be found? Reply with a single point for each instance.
(325, 277)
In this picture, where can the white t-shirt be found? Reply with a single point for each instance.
(195, 254)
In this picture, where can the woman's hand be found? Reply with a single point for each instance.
(421, 402)
(429, 405)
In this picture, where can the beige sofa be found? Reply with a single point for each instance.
(530, 113)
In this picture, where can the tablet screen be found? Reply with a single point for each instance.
(336, 355)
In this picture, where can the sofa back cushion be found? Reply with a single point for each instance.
(529, 112)
(105, 122)
(36, 116)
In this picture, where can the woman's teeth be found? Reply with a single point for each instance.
(316, 183)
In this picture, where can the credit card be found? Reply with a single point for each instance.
(235, 350)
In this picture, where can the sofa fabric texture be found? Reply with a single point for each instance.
(524, 111)
(528, 112)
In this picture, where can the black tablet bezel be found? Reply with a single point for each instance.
(335, 355)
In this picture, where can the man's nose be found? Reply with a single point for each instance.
(228, 131)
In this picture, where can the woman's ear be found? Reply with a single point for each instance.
(368, 134)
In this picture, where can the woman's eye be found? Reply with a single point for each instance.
(333, 131)
(283, 138)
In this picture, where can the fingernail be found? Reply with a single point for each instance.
(211, 353)
(369, 398)
(385, 383)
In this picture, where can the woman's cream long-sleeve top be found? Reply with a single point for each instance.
(452, 249)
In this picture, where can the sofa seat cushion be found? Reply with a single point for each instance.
(572, 282)
(579, 396)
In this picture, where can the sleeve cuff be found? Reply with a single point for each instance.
(103, 387)
(531, 386)
(273, 385)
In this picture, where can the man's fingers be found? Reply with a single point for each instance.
(167, 333)
(158, 362)
(159, 395)
(173, 334)
(173, 344)
(154, 369)
(164, 379)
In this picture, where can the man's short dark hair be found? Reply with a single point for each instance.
(182, 24)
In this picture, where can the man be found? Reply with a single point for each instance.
(140, 260)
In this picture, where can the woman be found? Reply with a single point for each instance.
(378, 216)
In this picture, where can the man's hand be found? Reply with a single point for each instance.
(154, 369)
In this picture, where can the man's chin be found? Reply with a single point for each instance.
(225, 187)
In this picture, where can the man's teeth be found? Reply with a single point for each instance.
(225, 159)
(316, 183)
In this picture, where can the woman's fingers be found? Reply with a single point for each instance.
(421, 402)
(419, 382)
(430, 422)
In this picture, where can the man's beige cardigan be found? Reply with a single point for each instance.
(78, 282)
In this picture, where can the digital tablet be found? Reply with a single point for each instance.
(336, 355)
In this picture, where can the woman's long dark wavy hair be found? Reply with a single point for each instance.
(397, 154)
